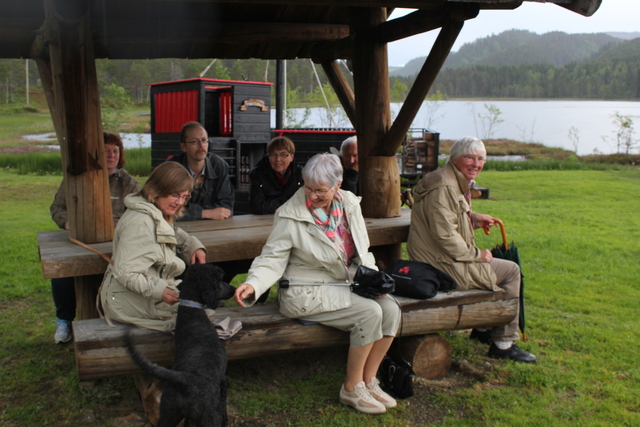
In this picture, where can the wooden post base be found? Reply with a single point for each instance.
(150, 389)
(429, 355)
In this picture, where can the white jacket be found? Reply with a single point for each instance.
(299, 251)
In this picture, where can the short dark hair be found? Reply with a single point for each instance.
(186, 127)
(281, 143)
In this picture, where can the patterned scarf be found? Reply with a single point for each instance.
(328, 222)
(335, 227)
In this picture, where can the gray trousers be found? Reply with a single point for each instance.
(367, 320)
(508, 278)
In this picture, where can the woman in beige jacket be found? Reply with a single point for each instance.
(150, 252)
(319, 239)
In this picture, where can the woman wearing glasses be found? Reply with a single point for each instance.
(275, 178)
(319, 239)
(150, 252)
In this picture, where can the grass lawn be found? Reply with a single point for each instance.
(577, 232)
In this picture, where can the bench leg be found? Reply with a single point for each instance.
(150, 389)
(429, 355)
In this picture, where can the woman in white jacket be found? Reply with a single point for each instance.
(319, 238)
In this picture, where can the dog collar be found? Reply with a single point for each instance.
(192, 304)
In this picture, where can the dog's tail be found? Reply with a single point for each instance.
(151, 368)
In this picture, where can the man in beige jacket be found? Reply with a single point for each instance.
(442, 234)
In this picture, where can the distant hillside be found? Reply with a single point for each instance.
(611, 73)
(520, 47)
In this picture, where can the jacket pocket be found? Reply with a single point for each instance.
(301, 301)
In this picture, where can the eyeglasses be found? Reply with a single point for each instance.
(282, 155)
(475, 159)
(176, 197)
(200, 141)
(317, 192)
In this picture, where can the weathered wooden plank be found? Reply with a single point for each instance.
(240, 237)
(100, 348)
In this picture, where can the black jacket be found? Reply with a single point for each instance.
(350, 181)
(216, 190)
(267, 193)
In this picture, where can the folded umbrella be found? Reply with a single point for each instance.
(509, 251)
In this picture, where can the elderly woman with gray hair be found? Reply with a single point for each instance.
(319, 238)
(442, 234)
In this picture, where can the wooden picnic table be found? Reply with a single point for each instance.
(237, 238)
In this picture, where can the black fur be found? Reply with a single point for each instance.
(195, 388)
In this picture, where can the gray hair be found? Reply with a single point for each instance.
(323, 168)
(347, 142)
(467, 145)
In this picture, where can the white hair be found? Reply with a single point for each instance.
(347, 142)
(467, 145)
(323, 168)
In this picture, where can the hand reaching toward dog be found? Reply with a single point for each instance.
(170, 296)
(199, 257)
(243, 292)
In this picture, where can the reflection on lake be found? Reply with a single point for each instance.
(544, 121)
(129, 140)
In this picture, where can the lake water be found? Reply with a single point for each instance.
(129, 140)
(546, 121)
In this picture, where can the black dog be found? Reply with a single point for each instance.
(195, 388)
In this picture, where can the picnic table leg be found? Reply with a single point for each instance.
(386, 254)
(86, 292)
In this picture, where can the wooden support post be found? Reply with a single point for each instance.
(429, 355)
(373, 114)
(65, 58)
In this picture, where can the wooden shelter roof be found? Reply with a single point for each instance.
(233, 29)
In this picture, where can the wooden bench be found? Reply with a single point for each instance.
(100, 351)
(99, 348)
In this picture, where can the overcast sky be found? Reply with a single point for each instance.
(613, 15)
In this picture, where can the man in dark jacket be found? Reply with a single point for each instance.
(275, 178)
(212, 196)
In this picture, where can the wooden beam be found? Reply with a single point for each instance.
(427, 75)
(422, 21)
(342, 88)
(583, 7)
(131, 31)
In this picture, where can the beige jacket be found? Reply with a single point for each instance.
(299, 251)
(148, 254)
(441, 233)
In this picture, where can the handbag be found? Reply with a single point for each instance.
(370, 283)
(419, 280)
(395, 378)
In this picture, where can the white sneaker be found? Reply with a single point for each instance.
(376, 392)
(63, 332)
(360, 399)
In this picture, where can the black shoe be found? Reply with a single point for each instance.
(514, 353)
(481, 336)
